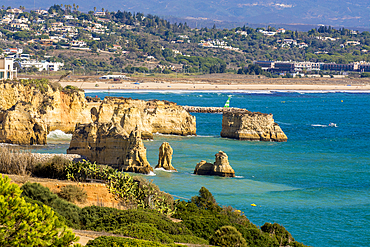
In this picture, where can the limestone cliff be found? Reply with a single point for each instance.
(220, 167)
(165, 157)
(22, 124)
(152, 116)
(51, 107)
(63, 109)
(107, 143)
(246, 125)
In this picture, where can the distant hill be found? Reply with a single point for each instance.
(328, 12)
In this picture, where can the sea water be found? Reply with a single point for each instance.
(317, 184)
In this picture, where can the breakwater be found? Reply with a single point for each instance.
(201, 109)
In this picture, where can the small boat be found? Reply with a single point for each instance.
(332, 125)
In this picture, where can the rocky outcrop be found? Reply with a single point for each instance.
(221, 167)
(63, 109)
(165, 157)
(246, 125)
(22, 124)
(152, 116)
(107, 143)
(30, 111)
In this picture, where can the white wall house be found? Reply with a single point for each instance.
(43, 65)
(7, 70)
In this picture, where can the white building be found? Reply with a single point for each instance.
(242, 33)
(77, 43)
(43, 65)
(7, 70)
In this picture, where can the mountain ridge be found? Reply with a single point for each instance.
(314, 12)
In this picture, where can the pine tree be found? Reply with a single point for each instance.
(26, 224)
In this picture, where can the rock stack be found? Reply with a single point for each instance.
(255, 126)
(221, 167)
(165, 157)
(109, 144)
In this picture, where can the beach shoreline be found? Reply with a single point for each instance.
(203, 86)
(210, 82)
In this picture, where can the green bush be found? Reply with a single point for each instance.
(92, 213)
(228, 236)
(281, 235)
(143, 223)
(126, 242)
(144, 231)
(73, 193)
(53, 168)
(69, 211)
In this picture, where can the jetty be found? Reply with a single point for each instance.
(201, 109)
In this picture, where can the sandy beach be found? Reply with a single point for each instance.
(226, 84)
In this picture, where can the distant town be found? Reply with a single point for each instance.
(63, 38)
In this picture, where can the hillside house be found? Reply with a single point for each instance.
(15, 11)
(99, 13)
(77, 43)
(242, 33)
(7, 70)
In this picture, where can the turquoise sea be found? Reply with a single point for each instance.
(317, 185)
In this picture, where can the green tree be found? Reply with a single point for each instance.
(228, 236)
(26, 224)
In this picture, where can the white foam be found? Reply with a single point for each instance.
(164, 170)
(151, 174)
(58, 135)
(283, 123)
(239, 176)
(319, 125)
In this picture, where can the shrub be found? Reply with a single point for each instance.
(144, 231)
(69, 211)
(205, 200)
(143, 223)
(15, 162)
(92, 213)
(228, 236)
(125, 242)
(73, 193)
(282, 236)
(53, 168)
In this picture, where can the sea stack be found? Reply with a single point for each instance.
(221, 167)
(109, 144)
(255, 126)
(165, 157)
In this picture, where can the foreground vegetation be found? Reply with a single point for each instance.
(147, 217)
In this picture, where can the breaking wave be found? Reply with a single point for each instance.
(58, 135)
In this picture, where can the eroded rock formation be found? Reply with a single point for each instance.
(107, 143)
(152, 116)
(246, 125)
(22, 124)
(29, 112)
(165, 157)
(62, 110)
(221, 167)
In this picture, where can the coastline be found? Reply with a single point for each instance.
(207, 86)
